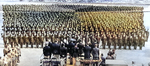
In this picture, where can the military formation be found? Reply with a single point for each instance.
(34, 27)
(116, 28)
(11, 55)
(120, 27)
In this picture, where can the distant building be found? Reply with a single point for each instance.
(84, 1)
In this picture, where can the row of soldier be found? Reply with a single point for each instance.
(11, 55)
(135, 38)
(53, 7)
(48, 21)
(65, 6)
(53, 24)
(111, 21)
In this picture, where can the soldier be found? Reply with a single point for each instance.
(21, 38)
(13, 57)
(18, 52)
(135, 40)
(36, 41)
(130, 40)
(141, 40)
(124, 40)
(120, 40)
(27, 42)
(4, 38)
(1, 61)
(15, 51)
(115, 40)
(41, 39)
(144, 37)
(97, 37)
(13, 39)
(32, 41)
(8, 60)
(147, 34)
(109, 40)
(43, 34)
(104, 39)
(8, 36)
(5, 50)
(62, 36)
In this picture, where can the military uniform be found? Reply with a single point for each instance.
(120, 40)
(5, 50)
(1, 62)
(115, 41)
(32, 41)
(124, 40)
(41, 39)
(13, 57)
(109, 40)
(8, 59)
(104, 39)
(27, 40)
(141, 40)
(135, 40)
(12, 38)
(22, 38)
(18, 53)
(130, 40)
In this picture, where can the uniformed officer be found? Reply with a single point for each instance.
(140, 40)
(135, 40)
(32, 41)
(124, 40)
(18, 51)
(1, 61)
(27, 42)
(5, 50)
(104, 39)
(130, 40)
(109, 39)
(115, 40)
(120, 40)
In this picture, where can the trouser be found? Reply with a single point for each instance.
(135, 44)
(125, 44)
(120, 44)
(32, 45)
(95, 64)
(27, 45)
(37, 45)
(140, 44)
(109, 44)
(13, 61)
(103, 44)
(41, 44)
(115, 44)
(21, 45)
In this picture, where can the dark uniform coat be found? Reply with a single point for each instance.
(95, 53)
(87, 51)
(46, 51)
